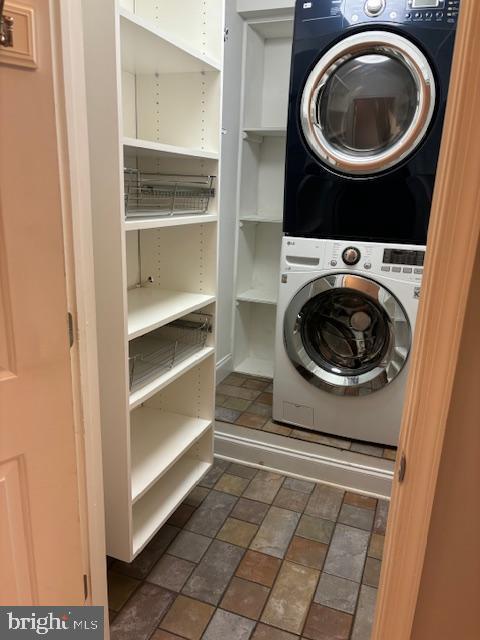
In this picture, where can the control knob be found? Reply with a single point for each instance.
(351, 256)
(374, 7)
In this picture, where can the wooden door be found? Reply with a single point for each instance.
(41, 551)
(430, 580)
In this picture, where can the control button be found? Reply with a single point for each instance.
(387, 269)
(351, 256)
(396, 269)
(355, 18)
(417, 15)
(407, 270)
(439, 14)
(429, 14)
(333, 263)
(368, 265)
(374, 7)
(418, 272)
(393, 15)
(408, 16)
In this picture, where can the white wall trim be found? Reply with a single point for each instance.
(306, 460)
(224, 367)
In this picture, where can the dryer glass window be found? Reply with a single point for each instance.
(345, 331)
(368, 104)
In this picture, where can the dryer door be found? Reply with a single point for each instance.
(347, 334)
(368, 103)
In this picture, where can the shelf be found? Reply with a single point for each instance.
(147, 148)
(147, 50)
(265, 132)
(170, 221)
(146, 392)
(158, 439)
(258, 296)
(150, 513)
(151, 307)
(274, 28)
(259, 218)
(256, 367)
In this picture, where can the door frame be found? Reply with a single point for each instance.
(453, 243)
(74, 166)
(446, 286)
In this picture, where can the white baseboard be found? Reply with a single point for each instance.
(224, 367)
(305, 460)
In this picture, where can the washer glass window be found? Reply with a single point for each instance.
(347, 334)
(345, 331)
(368, 102)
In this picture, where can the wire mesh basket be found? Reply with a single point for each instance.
(159, 351)
(160, 194)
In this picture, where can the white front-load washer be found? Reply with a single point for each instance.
(345, 321)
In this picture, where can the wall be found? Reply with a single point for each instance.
(447, 607)
(228, 206)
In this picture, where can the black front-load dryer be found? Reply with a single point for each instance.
(368, 90)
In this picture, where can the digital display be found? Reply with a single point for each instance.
(404, 256)
(425, 4)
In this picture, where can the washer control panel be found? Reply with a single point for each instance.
(400, 262)
(404, 263)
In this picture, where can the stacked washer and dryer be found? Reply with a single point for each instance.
(368, 91)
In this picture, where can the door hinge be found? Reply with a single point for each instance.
(71, 330)
(85, 585)
(402, 469)
(6, 28)
(226, 33)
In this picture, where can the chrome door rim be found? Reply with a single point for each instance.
(374, 379)
(378, 42)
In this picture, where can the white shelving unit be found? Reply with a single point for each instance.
(154, 84)
(266, 72)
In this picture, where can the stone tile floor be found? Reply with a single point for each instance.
(255, 555)
(247, 401)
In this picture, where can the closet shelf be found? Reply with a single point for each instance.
(171, 221)
(147, 149)
(259, 296)
(158, 439)
(256, 367)
(151, 307)
(265, 132)
(261, 218)
(148, 50)
(141, 395)
(151, 511)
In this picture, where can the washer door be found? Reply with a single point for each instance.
(347, 334)
(368, 103)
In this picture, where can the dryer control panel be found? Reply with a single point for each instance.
(434, 13)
